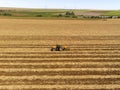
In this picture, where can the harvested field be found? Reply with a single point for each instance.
(43, 27)
(34, 66)
(26, 62)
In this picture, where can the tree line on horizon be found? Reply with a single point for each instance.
(67, 14)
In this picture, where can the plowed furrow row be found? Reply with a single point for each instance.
(62, 81)
(47, 60)
(69, 45)
(68, 87)
(59, 37)
(64, 56)
(60, 53)
(41, 44)
(54, 73)
(71, 48)
(56, 65)
(49, 49)
(70, 52)
(30, 37)
(62, 63)
(60, 69)
(102, 47)
(88, 49)
(59, 77)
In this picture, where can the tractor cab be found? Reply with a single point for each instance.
(59, 48)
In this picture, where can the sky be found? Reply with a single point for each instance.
(63, 4)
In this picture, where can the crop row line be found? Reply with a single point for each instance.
(66, 52)
(18, 66)
(90, 81)
(59, 69)
(14, 72)
(60, 77)
(64, 56)
(48, 87)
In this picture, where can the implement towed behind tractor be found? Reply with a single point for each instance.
(60, 48)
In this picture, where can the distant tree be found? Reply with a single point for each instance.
(70, 13)
(39, 15)
(7, 14)
(60, 15)
(1, 10)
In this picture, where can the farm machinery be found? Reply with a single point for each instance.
(60, 48)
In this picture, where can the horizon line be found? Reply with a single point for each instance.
(58, 8)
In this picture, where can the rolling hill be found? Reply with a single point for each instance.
(53, 13)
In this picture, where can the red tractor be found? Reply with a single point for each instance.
(60, 48)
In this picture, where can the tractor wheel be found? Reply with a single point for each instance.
(53, 49)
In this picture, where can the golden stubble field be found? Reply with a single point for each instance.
(59, 27)
(26, 62)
